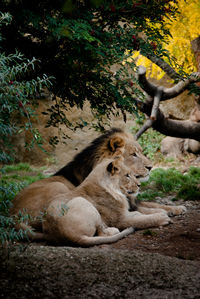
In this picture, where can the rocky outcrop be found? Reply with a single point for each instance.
(76, 139)
(63, 272)
(175, 147)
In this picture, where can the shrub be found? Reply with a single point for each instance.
(15, 95)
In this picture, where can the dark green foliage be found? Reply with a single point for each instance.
(7, 230)
(16, 93)
(172, 182)
(79, 41)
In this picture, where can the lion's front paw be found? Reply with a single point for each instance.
(177, 210)
(163, 219)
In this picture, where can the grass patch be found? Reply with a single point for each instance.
(164, 182)
(16, 167)
(13, 179)
(149, 232)
(149, 141)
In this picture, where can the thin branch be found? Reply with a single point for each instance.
(148, 124)
(170, 127)
(154, 111)
(164, 66)
(168, 93)
(156, 103)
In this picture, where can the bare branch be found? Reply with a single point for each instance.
(177, 128)
(148, 124)
(168, 93)
(170, 127)
(157, 120)
(164, 66)
(146, 85)
(156, 102)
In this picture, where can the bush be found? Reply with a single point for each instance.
(15, 96)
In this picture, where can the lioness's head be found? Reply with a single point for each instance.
(114, 174)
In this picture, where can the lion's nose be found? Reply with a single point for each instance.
(137, 180)
(149, 167)
(138, 177)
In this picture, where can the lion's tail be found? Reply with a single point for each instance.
(97, 240)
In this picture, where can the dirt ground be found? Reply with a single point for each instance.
(156, 263)
(181, 239)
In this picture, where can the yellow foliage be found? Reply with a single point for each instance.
(184, 29)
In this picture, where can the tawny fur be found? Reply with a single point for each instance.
(97, 207)
(35, 198)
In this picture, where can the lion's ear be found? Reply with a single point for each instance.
(116, 143)
(114, 167)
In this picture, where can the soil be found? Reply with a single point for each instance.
(156, 263)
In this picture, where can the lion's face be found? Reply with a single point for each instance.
(123, 178)
(135, 159)
(128, 183)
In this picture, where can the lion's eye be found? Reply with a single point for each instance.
(128, 175)
(134, 155)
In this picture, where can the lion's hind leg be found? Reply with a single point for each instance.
(79, 221)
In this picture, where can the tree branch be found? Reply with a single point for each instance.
(168, 93)
(156, 103)
(154, 111)
(148, 124)
(170, 127)
(146, 85)
(164, 66)
(177, 128)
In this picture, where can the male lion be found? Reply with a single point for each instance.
(36, 197)
(94, 212)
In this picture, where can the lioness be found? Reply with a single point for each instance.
(97, 208)
(36, 197)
